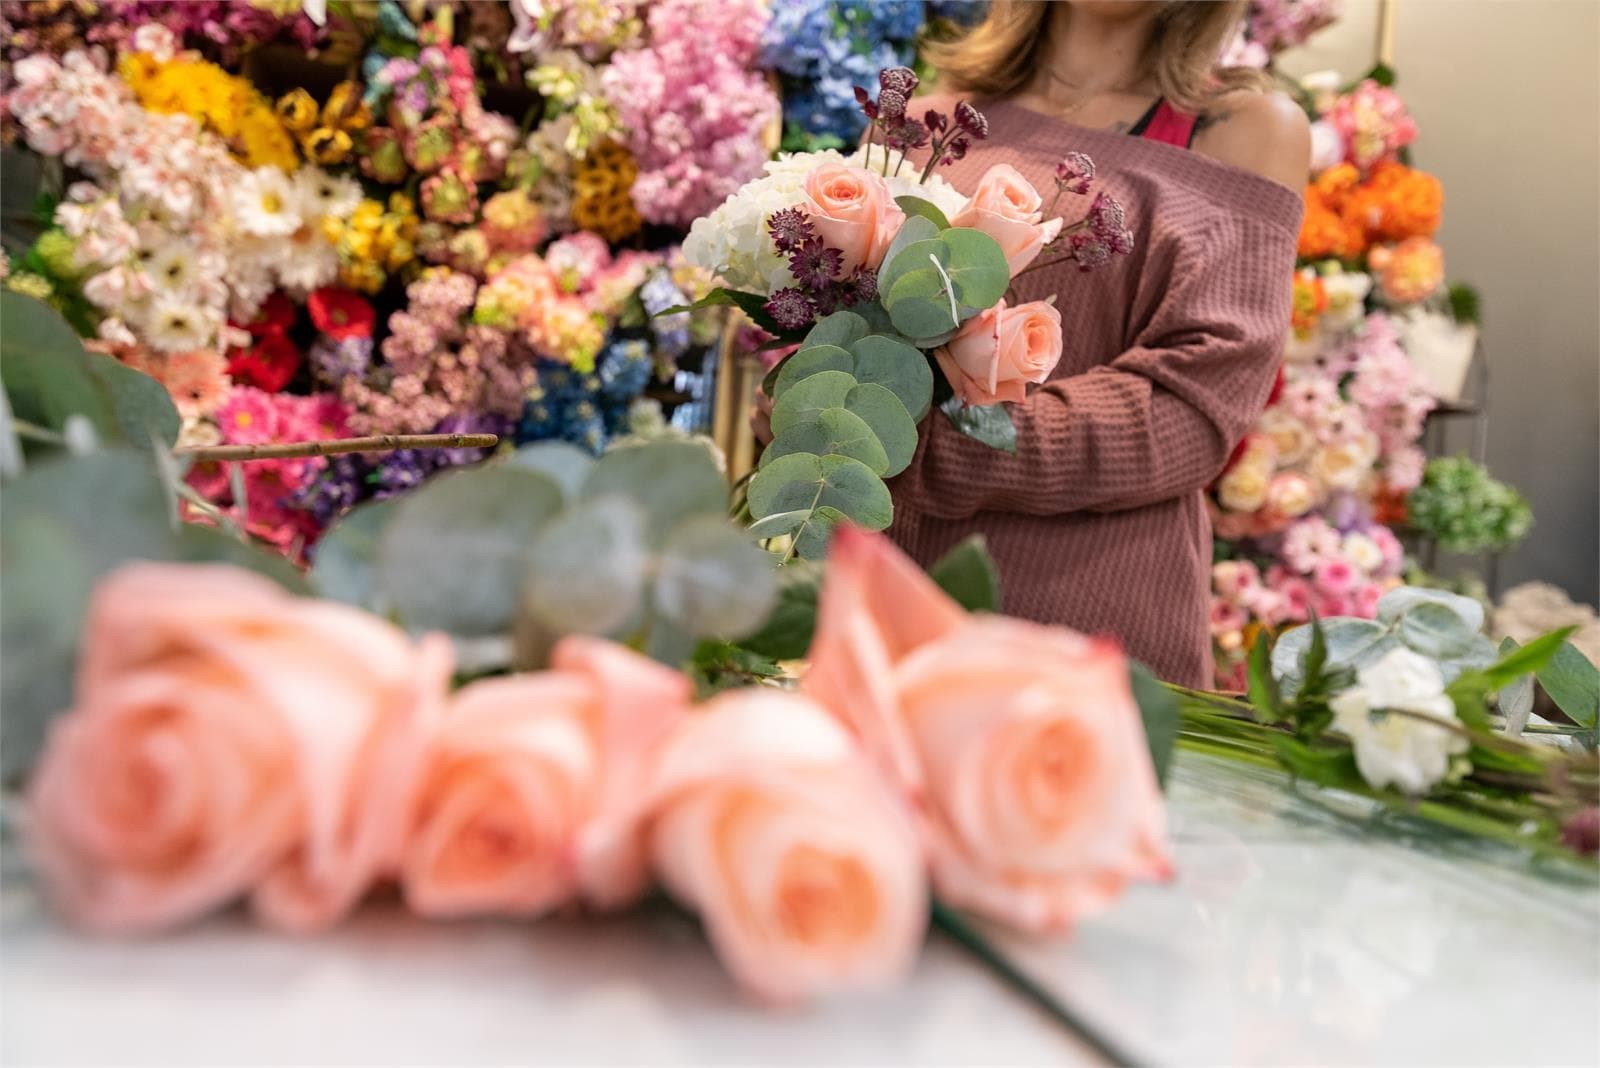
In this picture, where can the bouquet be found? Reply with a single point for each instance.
(894, 286)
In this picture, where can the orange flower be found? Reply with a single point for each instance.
(1326, 234)
(1310, 301)
(1401, 203)
(1413, 272)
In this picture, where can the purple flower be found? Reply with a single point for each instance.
(907, 135)
(956, 149)
(814, 265)
(402, 470)
(902, 80)
(862, 287)
(1090, 251)
(335, 361)
(1581, 833)
(1109, 224)
(868, 108)
(891, 105)
(336, 490)
(971, 120)
(790, 228)
(472, 423)
(790, 309)
(1075, 172)
(934, 121)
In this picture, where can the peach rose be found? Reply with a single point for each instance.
(802, 864)
(1000, 350)
(854, 212)
(1006, 207)
(1291, 494)
(527, 792)
(226, 736)
(1244, 488)
(1021, 744)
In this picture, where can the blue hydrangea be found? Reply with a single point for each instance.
(824, 48)
(625, 369)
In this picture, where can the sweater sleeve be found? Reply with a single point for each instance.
(1157, 422)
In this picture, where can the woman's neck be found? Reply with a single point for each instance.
(1089, 53)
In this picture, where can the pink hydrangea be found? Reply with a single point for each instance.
(1374, 123)
(1235, 580)
(577, 260)
(1308, 543)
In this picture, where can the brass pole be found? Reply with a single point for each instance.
(1386, 26)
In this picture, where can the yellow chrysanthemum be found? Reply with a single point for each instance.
(298, 110)
(227, 105)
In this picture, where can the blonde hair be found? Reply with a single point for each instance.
(999, 56)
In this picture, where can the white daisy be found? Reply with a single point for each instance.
(171, 266)
(323, 194)
(266, 204)
(175, 325)
(306, 261)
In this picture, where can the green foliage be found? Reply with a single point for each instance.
(1573, 683)
(933, 279)
(49, 376)
(787, 632)
(1159, 713)
(967, 573)
(67, 522)
(916, 206)
(988, 423)
(634, 546)
(1262, 687)
(717, 666)
(1466, 510)
(1466, 306)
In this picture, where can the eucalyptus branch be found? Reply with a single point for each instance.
(377, 443)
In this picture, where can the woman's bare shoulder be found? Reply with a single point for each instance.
(1266, 133)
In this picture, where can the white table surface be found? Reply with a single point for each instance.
(1288, 939)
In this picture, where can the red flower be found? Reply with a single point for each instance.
(275, 316)
(341, 313)
(269, 366)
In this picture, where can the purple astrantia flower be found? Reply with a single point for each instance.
(906, 135)
(1075, 173)
(868, 108)
(971, 121)
(1090, 252)
(891, 105)
(935, 121)
(902, 80)
(1109, 224)
(814, 265)
(862, 287)
(790, 228)
(790, 309)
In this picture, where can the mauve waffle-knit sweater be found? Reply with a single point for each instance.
(1099, 521)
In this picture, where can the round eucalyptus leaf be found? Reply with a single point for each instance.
(915, 229)
(801, 402)
(776, 526)
(1436, 630)
(451, 557)
(808, 361)
(585, 573)
(1347, 640)
(917, 206)
(842, 328)
(881, 411)
(790, 483)
(922, 317)
(347, 555)
(977, 267)
(814, 538)
(805, 482)
(897, 366)
(564, 462)
(917, 256)
(713, 581)
(671, 480)
(834, 431)
(1396, 603)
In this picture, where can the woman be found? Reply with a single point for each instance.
(1098, 522)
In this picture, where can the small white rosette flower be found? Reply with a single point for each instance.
(1402, 751)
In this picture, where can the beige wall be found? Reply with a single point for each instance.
(1507, 96)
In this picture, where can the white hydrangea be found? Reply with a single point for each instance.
(1398, 750)
(732, 242)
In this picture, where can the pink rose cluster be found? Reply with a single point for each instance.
(1372, 122)
(695, 111)
(228, 740)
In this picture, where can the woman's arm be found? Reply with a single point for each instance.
(1265, 133)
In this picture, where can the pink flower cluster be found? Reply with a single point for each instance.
(1317, 568)
(695, 111)
(249, 416)
(1372, 122)
(592, 27)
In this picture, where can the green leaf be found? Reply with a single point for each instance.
(568, 465)
(453, 554)
(670, 480)
(814, 538)
(787, 632)
(842, 329)
(1322, 766)
(829, 487)
(1348, 642)
(1524, 659)
(916, 207)
(752, 304)
(586, 570)
(809, 361)
(345, 565)
(1263, 688)
(143, 408)
(713, 581)
(1436, 630)
(1159, 712)
(776, 526)
(898, 367)
(1573, 683)
(834, 431)
(919, 305)
(807, 398)
(1399, 602)
(915, 230)
(46, 369)
(910, 258)
(967, 573)
(976, 266)
(1316, 660)
(882, 411)
(988, 423)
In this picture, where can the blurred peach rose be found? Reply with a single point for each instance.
(1244, 489)
(1000, 350)
(1020, 745)
(228, 737)
(853, 211)
(801, 862)
(1413, 271)
(1291, 494)
(527, 796)
(1006, 207)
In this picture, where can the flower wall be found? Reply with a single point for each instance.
(1304, 513)
(383, 218)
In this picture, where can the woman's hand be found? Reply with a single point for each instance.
(761, 417)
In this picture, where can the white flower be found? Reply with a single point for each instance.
(1399, 750)
(171, 266)
(1327, 147)
(306, 262)
(176, 325)
(323, 194)
(265, 203)
(1362, 552)
(1347, 294)
(1294, 440)
(938, 192)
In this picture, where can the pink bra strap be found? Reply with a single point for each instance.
(1170, 126)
